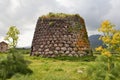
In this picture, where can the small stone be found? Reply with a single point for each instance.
(69, 42)
(53, 56)
(46, 53)
(50, 38)
(70, 49)
(61, 52)
(65, 35)
(66, 45)
(73, 52)
(42, 52)
(34, 49)
(75, 49)
(39, 52)
(44, 43)
(60, 45)
(55, 39)
(36, 53)
(63, 49)
(54, 36)
(58, 48)
(52, 42)
(65, 26)
(55, 45)
(46, 46)
(80, 71)
(39, 49)
(50, 45)
(50, 52)
(70, 55)
(41, 46)
(81, 54)
(76, 55)
(48, 42)
(56, 52)
(67, 52)
(46, 50)
(69, 36)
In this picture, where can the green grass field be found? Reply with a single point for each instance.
(61, 68)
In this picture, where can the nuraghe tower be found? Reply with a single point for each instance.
(60, 35)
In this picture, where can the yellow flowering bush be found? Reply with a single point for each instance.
(103, 51)
(106, 53)
(111, 36)
(107, 66)
(106, 26)
(100, 48)
(106, 39)
(116, 38)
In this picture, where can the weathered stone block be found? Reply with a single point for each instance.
(50, 52)
(66, 45)
(58, 48)
(60, 45)
(55, 45)
(63, 48)
(46, 50)
(67, 52)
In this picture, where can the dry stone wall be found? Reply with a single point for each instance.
(59, 37)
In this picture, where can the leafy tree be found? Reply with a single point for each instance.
(14, 62)
(12, 36)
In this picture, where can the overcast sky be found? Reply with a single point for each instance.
(24, 14)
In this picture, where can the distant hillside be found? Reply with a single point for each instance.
(94, 41)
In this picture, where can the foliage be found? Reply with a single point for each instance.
(106, 66)
(12, 36)
(14, 63)
(59, 15)
(76, 28)
(111, 37)
(51, 23)
(104, 69)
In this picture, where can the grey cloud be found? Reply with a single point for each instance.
(92, 11)
(27, 12)
(24, 13)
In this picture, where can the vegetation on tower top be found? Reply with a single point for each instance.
(60, 15)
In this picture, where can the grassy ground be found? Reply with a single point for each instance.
(64, 68)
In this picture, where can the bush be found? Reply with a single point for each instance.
(107, 66)
(14, 63)
(104, 70)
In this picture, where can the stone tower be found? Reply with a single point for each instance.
(60, 35)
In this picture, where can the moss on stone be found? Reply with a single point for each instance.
(51, 23)
(60, 15)
(76, 28)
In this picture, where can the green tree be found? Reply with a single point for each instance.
(12, 36)
(14, 62)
